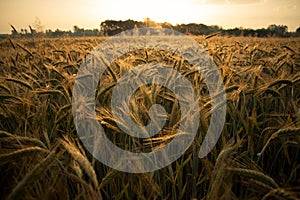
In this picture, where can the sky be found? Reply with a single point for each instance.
(88, 14)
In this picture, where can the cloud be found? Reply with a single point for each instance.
(232, 2)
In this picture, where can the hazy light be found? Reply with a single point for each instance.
(89, 13)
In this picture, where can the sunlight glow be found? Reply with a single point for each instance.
(176, 11)
(90, 13)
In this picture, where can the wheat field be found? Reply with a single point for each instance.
(256, 157)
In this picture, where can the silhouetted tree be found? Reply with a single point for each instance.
(113, 27)
(278, 30)
(78, 31)
(37, 25)
(298, 31)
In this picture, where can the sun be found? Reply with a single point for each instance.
(175, 11)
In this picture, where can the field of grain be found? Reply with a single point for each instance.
(256, 157)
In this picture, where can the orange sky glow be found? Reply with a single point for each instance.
(90, 13)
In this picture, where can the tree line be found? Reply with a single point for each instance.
(112, 27)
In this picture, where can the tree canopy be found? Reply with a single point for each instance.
(112, 27)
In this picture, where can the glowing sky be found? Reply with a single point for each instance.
(64, 14)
